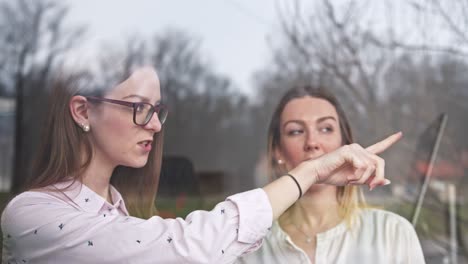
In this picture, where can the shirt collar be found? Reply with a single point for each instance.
(118, 200)
(282, 236)
(88, 200)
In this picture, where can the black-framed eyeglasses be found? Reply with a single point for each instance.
(142, 112)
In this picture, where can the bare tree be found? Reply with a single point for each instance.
(398, 64)
(208, 119)
(352, 45)
(331, 44)
(34, 39)
(440, 26)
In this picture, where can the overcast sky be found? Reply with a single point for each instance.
(233, 33)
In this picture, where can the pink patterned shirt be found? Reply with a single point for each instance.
(79, 226)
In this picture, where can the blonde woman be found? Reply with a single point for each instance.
(329, 224)
(92, 197)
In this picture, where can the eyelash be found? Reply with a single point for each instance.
(294, 132)
(328, 128)
(139, 107)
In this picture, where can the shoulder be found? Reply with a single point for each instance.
(59, 194)
(27, 205)
(391, 237)
(380, 215)
(388, 230)
(27, 199)
(33, 197)
(384, 221)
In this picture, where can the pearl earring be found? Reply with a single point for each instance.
(280, 161)
(85, 128)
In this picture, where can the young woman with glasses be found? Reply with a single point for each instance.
(92, 197)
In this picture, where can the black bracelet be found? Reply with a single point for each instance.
(297, 183)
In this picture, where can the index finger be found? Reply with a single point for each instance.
(382, 145)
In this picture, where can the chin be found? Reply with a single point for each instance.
(139, 163)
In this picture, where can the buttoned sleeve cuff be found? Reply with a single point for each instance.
(255, 215)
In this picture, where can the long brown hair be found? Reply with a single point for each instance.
(64, 144)
(350, 197)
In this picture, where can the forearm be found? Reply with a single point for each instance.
(284, 192)
(350, 163)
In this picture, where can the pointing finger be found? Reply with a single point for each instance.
(382, 145)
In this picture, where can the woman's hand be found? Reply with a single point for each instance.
(350, 164)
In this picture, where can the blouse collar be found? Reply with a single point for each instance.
(86, 199)
(282, 236)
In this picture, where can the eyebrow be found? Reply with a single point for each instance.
(325, 118)
(136, 96)
(142, 98)
(320, 120)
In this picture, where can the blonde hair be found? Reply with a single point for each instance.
(350, 197)
(63, 146)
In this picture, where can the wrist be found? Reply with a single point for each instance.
(306, 174)
(299, 188)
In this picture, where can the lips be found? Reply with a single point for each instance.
(146, 144)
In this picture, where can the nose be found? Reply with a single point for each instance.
(312, 142)
(154, 124)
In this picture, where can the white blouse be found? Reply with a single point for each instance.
(378, 237)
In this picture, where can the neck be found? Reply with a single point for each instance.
(315, 212)
(97, 177)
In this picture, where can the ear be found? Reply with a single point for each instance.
(79, 110)
(277, 155)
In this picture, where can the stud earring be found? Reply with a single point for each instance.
(280, 161)
(85, 128)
